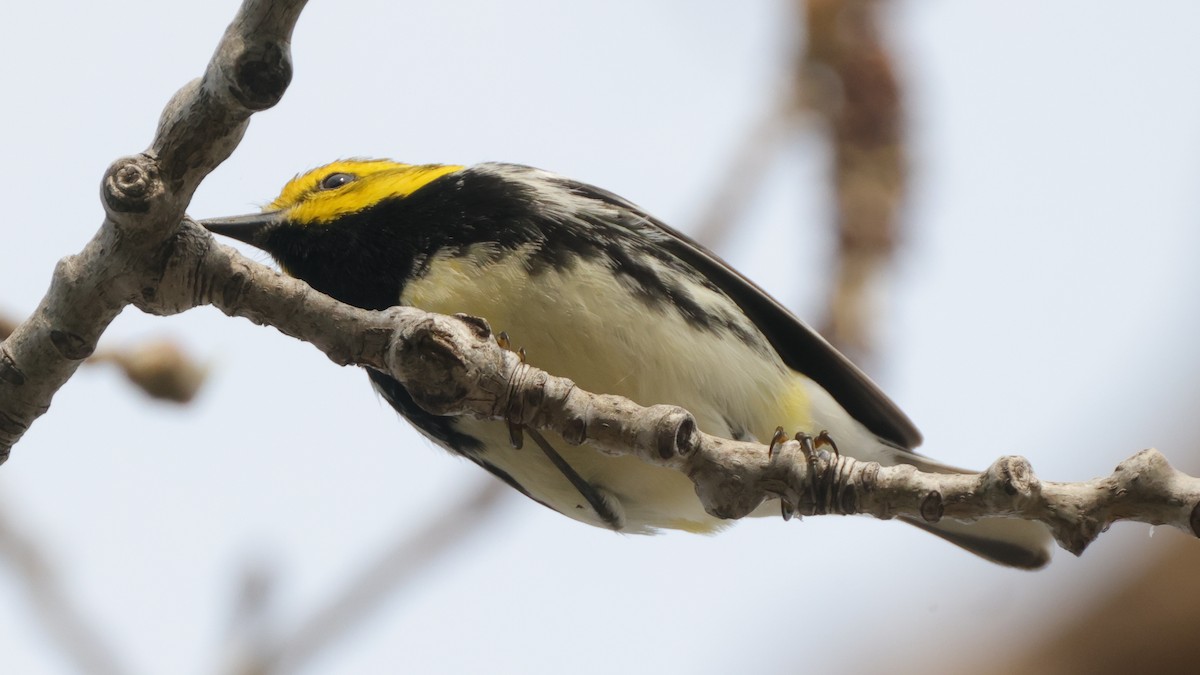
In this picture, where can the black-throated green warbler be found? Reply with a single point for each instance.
(598, 291)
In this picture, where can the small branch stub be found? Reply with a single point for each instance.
(932, 507)
(72, 347)
(131, 185)
(432, 355)
(144, 198)
(675, 432)
(260, 76)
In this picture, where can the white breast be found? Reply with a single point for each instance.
(584, 324)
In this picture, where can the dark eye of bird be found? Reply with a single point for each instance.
(336, 180)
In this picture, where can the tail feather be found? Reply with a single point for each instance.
(1007, 541)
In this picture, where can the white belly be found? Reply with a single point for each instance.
(587, 326)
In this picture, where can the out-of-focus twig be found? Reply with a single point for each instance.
(250, 631)
(844, 81)
(160, 368)
(745, 174)
(1146, 624)
(378, 581)
(846, 78)
(64, 622)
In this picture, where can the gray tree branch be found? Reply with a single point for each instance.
(144, 199)
(64, 621)
(454, 366)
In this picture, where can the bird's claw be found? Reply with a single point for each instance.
(786, 509)
(825, 440)
(806, 446)
(516, 434)
(809, 446)
(780, 436)
(505, 343)
(810, 455)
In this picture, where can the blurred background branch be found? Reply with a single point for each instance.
(1145, 623)
(161, 369)
(843, 85)
(256, 646)
(364, 592)
(845, 78)
(74, 635)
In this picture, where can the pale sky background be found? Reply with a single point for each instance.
(1044, 304)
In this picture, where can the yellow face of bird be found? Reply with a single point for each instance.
(349, 186)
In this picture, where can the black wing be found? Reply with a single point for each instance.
(799, 346)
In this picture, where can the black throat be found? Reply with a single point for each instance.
(365, 258)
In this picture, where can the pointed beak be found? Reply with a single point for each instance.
(251, 228)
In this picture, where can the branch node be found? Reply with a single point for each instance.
(430, 356)
(932, 507)
(669, 430)
(9, 372)
(71, 346)
(130, 185)
(575, 432)
(260, 75)
(1015, 476)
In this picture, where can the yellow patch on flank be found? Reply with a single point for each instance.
(609, 342)
(694, 526)
(373, 181)
(792, 409)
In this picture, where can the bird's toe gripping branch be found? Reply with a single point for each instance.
(824, 471)
(516, 434)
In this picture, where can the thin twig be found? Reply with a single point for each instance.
(60, 618)
(744, 176)
(378, 582)
(144, 197)
(160, 368)
(845, 77)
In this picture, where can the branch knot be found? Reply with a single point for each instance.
(130, 185)
(431, 355)
(259, 75)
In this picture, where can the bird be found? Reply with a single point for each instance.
(593, 288)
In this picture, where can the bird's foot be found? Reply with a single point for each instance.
(779, 437)
(516, 431)
(819, 473)
(823, 439)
